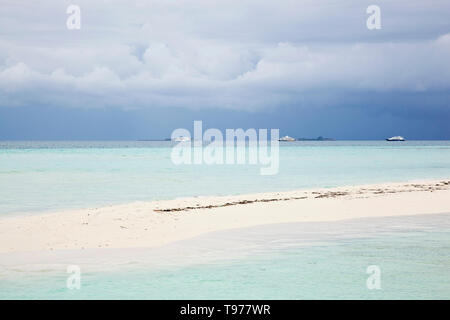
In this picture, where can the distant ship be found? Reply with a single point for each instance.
(181, 139)
(286, 138)
(396, 138)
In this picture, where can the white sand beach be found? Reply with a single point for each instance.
(151, 224)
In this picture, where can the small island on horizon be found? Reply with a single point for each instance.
(320, 138)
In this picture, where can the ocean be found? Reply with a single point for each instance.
(49, 176)
(314, 260)
(311, 260)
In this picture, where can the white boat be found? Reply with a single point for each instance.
(286, 138)
(181, 139)
(396, 138)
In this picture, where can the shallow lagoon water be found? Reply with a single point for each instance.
(295, 261)
(312, 260)
(43, 176)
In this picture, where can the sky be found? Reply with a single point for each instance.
(139, 69)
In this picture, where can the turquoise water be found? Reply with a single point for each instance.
(295, 261)
(39, 176)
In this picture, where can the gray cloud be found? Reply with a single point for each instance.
(247, 55)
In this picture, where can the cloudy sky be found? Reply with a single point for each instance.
(139, 69)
